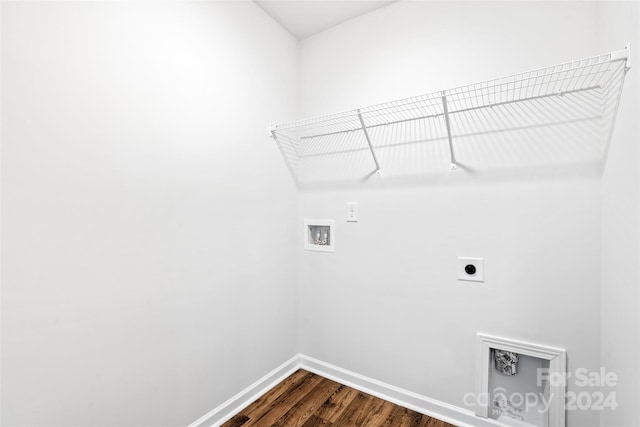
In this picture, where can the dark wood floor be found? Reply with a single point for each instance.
(308, 400)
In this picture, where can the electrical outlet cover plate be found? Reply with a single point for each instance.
(478, 263)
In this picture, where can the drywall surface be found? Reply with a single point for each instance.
(620, 22)
(387, 303)
(141, 208)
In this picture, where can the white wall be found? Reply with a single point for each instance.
(619, 24)
(139, 191)
(387, 304)
(142, 202)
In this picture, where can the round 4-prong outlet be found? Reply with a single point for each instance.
(471, 269)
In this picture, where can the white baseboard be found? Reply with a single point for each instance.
(237, 403)
(434, 408)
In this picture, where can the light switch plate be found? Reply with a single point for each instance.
(471, 269)
(352, 212)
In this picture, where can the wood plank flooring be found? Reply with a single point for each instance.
(308, 400)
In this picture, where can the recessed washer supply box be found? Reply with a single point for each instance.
(319, 235)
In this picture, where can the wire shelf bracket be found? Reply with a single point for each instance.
(453, 166)
(373, 152)
(623, 54)
(565, 112)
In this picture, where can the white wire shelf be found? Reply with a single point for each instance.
(563, 113)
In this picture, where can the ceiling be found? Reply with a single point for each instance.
(304, 18)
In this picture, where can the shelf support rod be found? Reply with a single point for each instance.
(454, 165)
(366, 135)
